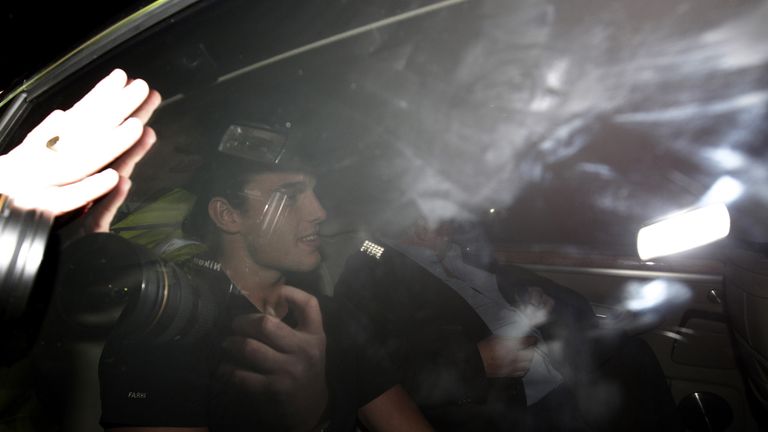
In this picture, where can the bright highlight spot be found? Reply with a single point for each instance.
(647, 295)
(493, 210)
(726, 158)
(725, 190)
(683, 231)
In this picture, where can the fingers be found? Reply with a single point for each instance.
(252, 381)
(521, 356)
(127, 101)
(507, 356)
(111, 101)
(537, 297)
(109, 147)
(74, 195)
(101, 215)
(116, 80)
(522, 363)
(518, 349)
(62, 199)
(304, 306)
(514, 347)
(125, 164)
(519, 365)
(147, 108)
(269, 330)
(255, 355)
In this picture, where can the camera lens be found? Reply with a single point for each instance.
(109, 283)
(23, 236)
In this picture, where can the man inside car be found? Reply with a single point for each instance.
(281, 358)
(488, 347)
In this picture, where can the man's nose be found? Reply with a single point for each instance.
(315, 211)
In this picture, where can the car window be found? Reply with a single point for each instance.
(446, 176)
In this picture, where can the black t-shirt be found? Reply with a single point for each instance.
(173, 382)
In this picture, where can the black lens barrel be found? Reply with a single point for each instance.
(108, 282)
(23, 237)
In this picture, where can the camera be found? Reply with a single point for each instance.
(109, 283)
(23, 240)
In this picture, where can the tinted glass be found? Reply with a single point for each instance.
(473, 141)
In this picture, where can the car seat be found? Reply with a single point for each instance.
(746, 299)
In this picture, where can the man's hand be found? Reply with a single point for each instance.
(281, 369)
(506, 356)
(58, 165)
(537, 306)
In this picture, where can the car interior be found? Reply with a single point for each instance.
(555, 129)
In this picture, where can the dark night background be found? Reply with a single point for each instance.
(35, 34)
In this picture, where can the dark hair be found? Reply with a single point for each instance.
(224, 177)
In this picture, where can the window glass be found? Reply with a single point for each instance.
(461, 181)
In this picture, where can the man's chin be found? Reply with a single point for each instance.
(309, 265)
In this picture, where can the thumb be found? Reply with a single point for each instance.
(304, 306)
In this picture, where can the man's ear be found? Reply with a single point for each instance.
(223, 215)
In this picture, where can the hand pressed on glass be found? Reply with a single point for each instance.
(57, 166)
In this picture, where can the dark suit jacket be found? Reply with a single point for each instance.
(431, 333)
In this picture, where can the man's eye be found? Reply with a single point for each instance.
(290, 196)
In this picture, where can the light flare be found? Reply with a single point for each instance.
(683, 231)
(643, 296)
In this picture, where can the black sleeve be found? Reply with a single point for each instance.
(161, 385)
(358, 365)
(443, 365)
(436, 362)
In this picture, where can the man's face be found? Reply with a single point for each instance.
(281, 220)
(437, 238)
